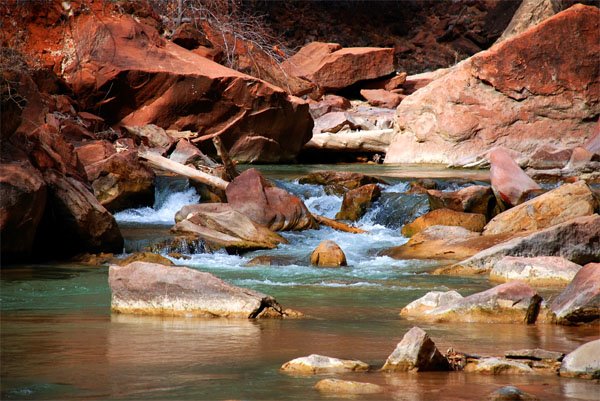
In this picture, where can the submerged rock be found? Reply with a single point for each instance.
(357, 201)
(148, 257)
(416, 352)
(314, 364)
(584, 362)
(580, 301)
(511, 393)
(328, 254)
(541, 270)
(535, 354)
(336, 386)
(152, 289)
(445, 217)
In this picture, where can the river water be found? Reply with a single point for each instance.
(60, 341)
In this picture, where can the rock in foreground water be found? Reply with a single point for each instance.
(151, 289)
(584, 362)
(508, 180)
(580, 301)
(336, 386)
(541, 270)
(416, 352)
(429, 302)
(510, 393)
(357, 201)
(313, 364)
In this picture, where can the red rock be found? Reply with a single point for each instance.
(74, 132)
(328, 104)
(580, 301)
(548, 157)
(381, 98)
(189, 37)
(389, 84)
(94, 151)
(472, 199)
(215, 55)
(445, 217)
(593, 143)
(252, 195)
(508, 180)
(579, 158)
(152, 81)
(526, 91)
(357, 201)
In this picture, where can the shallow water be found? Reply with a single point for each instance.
(59, 340)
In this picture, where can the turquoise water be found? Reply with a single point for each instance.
(60, 341)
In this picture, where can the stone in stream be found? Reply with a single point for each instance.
(508, 180)
(473, 199)
(149, 257)
(580, 301)
(429, 302)
(314, 364)
(328, 254)
(152, 289)
(535, 354)
(336, 386)
(416, 352)
(540, 270)
(584, 362)
(445, 217)
(510, 393)
(357, 201)
(498, 366)
(554, 207)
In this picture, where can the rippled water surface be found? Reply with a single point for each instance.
(59, 340)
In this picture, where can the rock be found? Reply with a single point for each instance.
(143, 79)
(580, 157)
(357, 201)
(188, 36)
(152, 136)
(445, 217)
(508, 180)
(352, 142)
(222, 226)
(416, 352)
(336, 386)
(186, 153)
(541, 270)
(421, 186)
(252, 195)
(536, 354)
(74, 221)
(593, 143)
(94, 259)
(513, 302)
(549, 157)
(473, 199)
(330, 67)
(498, 366)
(22, 203)
(152, 289)
(335, 122)
(580, 301)
(148, 257)
(314, 364)
(389, 84)
(429, 302)
(381, 98)
(521, 93)
(340, 179)
(511, 393)
(584, 362)
(328, 254)
(91, 152)
(554, 207)
(269, 260)
(529, 13)
(577, 240)
(328, 104)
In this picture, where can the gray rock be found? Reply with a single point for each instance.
(511, 393)
(584, 362)
(535, 354)
(322, 364)
(416, 352)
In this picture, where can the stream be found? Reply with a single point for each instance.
(60, 341)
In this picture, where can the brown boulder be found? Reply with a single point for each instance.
(525, 91)
(473, 199)
(357, 201)
(580, 301)
(416, 352)
(328, 254)
(252, 195)
(328, 104)
(445, 217)
(142, 79)
(508, 180)
(94, 151)
(381, 98)
(347, 387)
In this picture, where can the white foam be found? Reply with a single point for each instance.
(163, 214)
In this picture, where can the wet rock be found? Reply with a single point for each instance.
(339, 181)
(498, 366)
(508, 96)
(584, 362)
(336, 386)
(580, 301)
(576, 240)
(541, 270)
(445, 217)
(94, 259)
(143, 79)
(554, 207)
(221, 226)
(381, 98)
(508, 180)
(328, 254)
(473, 199)
(270, 260)
(314, 364)
(252, 195)
(416, 352)
(328, 104)
(511, 393)
(535, 354)
(357, 201)
(152, 289)
(421, 186)
(428, 302)
(147, 257)
(22, 203)
(330, 67)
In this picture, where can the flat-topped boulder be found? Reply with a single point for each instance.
(508, 180)
(314, 364)
(428, 302)
(152, 289)
(540, 270)
(416, 352)
(584, 362)
(445, 217)
(580, 301)
(347, 387)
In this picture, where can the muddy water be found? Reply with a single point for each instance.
(59, 340)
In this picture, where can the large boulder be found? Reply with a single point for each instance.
(584, 362)
(313, 364)
(428, 302)
(472, 199)
(328, 254)
(523, 92)
(252, 195)
(330, 67)
(541, 270)
(221, 226)
(554, 207)
(445, 217)
(141, 79)
(580, 301)
(416, 352)
(152, 289)
(508, 180)
(357, 201)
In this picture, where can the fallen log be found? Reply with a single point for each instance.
(354, 141)
(185, 171)
(337, 225)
